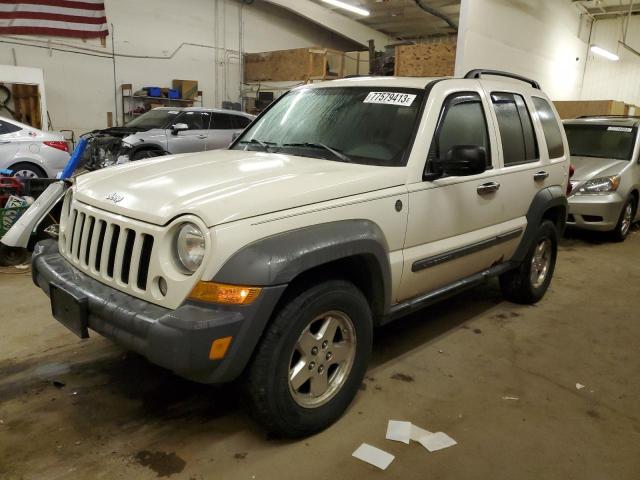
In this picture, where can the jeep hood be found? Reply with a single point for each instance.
(226, 185)
(593, 167)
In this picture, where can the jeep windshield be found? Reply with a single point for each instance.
(602, 141)
(154, 119)
(372, 125)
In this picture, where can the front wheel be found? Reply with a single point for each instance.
(623, 226)
(529, 282)
(311, 360)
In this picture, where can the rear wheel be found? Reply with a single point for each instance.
(27, 170)
(529, 282)
(12, 256)
(311, 360)
(623, 226)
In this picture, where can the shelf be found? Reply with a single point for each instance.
(161, 99)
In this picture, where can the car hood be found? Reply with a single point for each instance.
(226, 185)
(593, 167)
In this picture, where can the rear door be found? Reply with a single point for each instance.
(8, 143)
(192, 140)
(524, 154)
(224, 126)
(451, 231)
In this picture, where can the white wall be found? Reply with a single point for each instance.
(80, 85)
(620, 80)
(539, 39)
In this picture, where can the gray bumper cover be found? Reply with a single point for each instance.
(179, 340)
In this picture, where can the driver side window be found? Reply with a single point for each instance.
(195, 120)
(462, 122)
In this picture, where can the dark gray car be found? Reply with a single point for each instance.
(605, 152)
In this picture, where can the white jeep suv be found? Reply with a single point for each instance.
(344, 206)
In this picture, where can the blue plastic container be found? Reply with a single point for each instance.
(154, 91)
(174, 93)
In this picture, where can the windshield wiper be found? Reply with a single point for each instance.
(253, 141)
(335, 152)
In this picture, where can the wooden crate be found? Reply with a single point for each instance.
(300, 64)
(426, 60)
(578, 108)
(26, 104)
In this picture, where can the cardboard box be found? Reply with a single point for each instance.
(188, 88)
(575, 109)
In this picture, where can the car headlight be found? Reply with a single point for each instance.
(600, 185)
(190, 246)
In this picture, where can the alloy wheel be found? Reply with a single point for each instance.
(540, 262)
(322, 359)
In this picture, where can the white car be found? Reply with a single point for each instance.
(344, 206)
(30, 152)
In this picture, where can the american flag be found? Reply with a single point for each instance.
(64, 18)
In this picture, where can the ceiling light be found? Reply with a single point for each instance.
(346, 6)
(604, 53)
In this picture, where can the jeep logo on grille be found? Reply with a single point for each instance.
(115, 197)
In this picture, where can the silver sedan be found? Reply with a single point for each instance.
(605, 152)
(30, 152)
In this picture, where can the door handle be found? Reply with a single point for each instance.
(202, 137)
(487, 188)
(541, 175)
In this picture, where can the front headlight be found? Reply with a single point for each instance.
(190, 247)
(600, 185)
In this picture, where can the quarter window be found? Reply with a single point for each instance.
(462, 122)
(516, 129)
(6, 127)
(241, 122)
(550, 127)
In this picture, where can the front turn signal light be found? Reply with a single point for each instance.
(212, 292)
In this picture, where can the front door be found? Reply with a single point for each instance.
(451, 231)
(195, 138)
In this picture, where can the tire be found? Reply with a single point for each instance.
(528, 283)
(27, 170)
(146, 153)
(297, 409)
(12, 256)
(628, 213)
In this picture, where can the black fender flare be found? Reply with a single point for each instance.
(546, 199)
(278, 259)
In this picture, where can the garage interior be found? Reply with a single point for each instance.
(547, 390)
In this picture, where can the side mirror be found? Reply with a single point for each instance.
(464, 160)
(179, 127)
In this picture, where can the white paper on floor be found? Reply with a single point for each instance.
(417, 432)
(399, 431)
(437, 441)
(579, 386)
(374, 456)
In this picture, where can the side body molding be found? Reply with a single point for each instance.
(546, 199)
(278, 259)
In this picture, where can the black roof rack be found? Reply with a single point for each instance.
(609, 116)
(477, 73)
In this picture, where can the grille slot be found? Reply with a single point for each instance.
(101, 246)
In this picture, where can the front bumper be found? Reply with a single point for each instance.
(179, 340)
(595, 212)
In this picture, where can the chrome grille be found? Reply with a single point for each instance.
(108, 249)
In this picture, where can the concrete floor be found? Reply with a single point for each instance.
(498, 377)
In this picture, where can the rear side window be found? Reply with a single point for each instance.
(516, 129)
(222, 121)
(550, 127)
(6, 127)
(462, 122)
(241, 122)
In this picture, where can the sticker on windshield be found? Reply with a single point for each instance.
(620, 129)
(390, 98)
